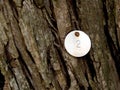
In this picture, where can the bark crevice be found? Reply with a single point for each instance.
(64, 68)
(74, 17)
(114, 51)
(26, 71)
(2, 80)
(91, 66)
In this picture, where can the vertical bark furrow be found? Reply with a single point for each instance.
(117, 20)
(114, 50)
(73, 14)
(110, 9)
(39, 3)
(91, 67)
(55, 82)
(19, 42)
(26, 71)
(64, 69)
(56, 64)
(14, 9)
(62, 18)
(2, 80)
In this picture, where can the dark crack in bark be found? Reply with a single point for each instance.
(114, 51)
(2, 81)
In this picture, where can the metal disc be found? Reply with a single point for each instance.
(77, 43)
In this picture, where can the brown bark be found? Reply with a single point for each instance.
(32, 53)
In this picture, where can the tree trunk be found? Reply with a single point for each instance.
(32, 53)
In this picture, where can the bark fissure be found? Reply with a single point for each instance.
(2, 80)
(55, 83)
(29, 53)
(114, 52)
(64, 68)
(20, 45)
(10, 67)
(50, 20)
(111, 12)
(117, 40)
(39, 3)
(26, 71)
(14, 9)
(89, 87)
(81, 86)
(91, 66)
(73, 14)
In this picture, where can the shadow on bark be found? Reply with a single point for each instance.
(2, 81)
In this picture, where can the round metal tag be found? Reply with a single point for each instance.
(77, 43)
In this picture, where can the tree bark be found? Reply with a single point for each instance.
(32, 53)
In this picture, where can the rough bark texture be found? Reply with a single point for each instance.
(32, 54)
